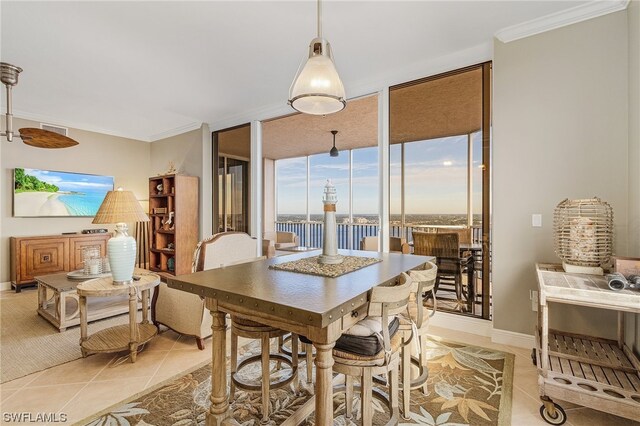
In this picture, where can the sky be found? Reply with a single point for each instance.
(73, 181)
(435, 179)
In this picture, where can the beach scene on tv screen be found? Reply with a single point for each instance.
(49, 193)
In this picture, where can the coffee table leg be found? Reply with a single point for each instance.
(133, 326)
(42, 296)
(324, 386)
(83, 323)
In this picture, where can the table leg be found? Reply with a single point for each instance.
(219, 412)
(620, 329)
(62, 307)
(133, 326)
(324, 386)
(42, 296)
(145, 306)
(544, 338)
(82, 301)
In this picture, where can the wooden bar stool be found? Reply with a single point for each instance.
(423, 281)
(386, 303)
(242, 327)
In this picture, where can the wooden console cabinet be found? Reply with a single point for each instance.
(43, 255)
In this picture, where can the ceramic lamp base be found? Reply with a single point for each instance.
(121, 251)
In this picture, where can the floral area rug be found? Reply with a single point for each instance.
(467, 385)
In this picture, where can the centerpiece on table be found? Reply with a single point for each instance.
(330, 254)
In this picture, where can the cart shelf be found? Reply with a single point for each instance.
(590, 371)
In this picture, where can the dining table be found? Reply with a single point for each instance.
(317, 307)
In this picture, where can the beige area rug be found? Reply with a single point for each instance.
(29, 343)
(467, 385)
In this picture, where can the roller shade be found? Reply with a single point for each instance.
(438, 107)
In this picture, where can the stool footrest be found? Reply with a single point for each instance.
(241, 384)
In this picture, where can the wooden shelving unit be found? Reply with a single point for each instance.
(175, 197)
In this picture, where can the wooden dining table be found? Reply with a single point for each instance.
(317, 307)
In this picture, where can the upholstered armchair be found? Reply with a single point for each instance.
(184, 312)
(396, 244)
(281, 239)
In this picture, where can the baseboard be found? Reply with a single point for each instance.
(462, 323)
(5, 286)
(511, 338)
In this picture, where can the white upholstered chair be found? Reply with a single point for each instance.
(281, 239)
(184, 312)
(396, 244)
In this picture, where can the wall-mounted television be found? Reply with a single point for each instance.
(48, 193)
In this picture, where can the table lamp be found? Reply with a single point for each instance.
(119, 207)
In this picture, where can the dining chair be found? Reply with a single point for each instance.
(452, 264)
(396, 244)
(185, 313)
(372, 347)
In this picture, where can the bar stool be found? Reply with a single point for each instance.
(386, 303)
(242, 327)
(423, 281)
(306, 352)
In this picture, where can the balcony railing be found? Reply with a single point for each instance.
(350, 234)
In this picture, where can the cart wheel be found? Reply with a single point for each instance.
(559, 418)
(533, 357)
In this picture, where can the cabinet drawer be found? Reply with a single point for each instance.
(354, 316)
(41, 257)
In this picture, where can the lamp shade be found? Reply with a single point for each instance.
(120, 206)
(317, 89)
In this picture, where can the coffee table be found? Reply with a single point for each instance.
(58, 301)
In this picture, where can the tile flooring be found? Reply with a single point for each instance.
(86, 386)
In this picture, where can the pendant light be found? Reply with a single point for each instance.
(317, 88)
(334, 151)
(39, 138)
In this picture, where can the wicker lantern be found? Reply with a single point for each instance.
(583, 234)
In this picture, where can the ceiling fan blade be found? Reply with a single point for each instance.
(45, 139)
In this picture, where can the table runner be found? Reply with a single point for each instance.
(310, 265)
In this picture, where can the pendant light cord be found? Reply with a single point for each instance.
(319, 20)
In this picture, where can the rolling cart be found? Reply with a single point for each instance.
(593, 372)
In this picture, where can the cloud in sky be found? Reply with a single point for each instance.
(431, 187)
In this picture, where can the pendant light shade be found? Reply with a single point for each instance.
(317, 88)
(334, 151)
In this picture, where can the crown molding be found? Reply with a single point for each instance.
(43, 118)
(175, 131)
(563, 18)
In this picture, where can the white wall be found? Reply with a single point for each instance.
(633, 13)
(560, 130)
(127, 160)
(191, 155)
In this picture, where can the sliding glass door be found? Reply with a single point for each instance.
(231, 153)
(440, 167)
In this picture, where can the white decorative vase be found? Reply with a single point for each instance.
(121, 251)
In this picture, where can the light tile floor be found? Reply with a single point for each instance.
(89, 385)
